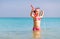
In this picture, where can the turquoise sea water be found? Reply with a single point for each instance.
(21, 28)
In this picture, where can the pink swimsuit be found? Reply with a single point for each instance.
(35, 28)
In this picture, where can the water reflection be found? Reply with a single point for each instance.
(36, 35)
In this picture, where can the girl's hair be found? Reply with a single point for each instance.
(41, 12)
(35, 9)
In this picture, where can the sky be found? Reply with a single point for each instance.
(21, 8)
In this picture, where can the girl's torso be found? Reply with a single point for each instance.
(36, 21)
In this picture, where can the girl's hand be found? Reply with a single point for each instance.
(32, 8)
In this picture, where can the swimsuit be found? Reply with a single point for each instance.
(35, 28)
(37, 18)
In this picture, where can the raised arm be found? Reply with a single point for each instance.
(32, 14)
(41, 14)
(32, 8)
(32, 11)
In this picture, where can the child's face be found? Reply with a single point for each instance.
(37, 11)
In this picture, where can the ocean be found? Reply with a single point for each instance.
(21, 28)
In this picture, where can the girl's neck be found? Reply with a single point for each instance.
(36, 14)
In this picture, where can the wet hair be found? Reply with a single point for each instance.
(35, 9)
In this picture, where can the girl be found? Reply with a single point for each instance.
(36, 14)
